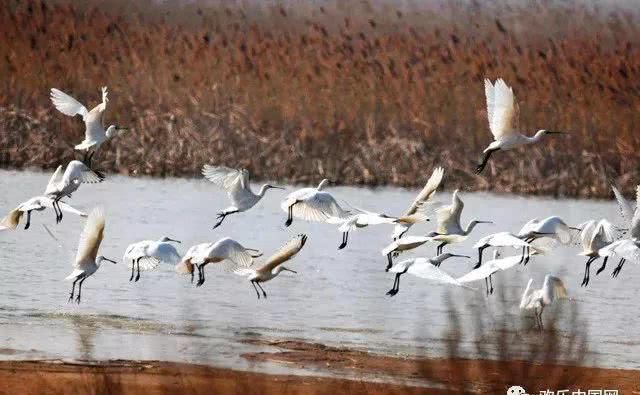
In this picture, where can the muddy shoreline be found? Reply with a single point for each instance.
(331, 370)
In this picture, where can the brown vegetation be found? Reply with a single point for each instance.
(363, 95)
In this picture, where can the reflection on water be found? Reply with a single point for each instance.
(338, 297)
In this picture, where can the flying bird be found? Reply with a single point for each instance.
(501, 239)
(594, 236)
(38, 203)
(502, 112)
(540, 233)
(64, 184)
(449, 228)
(236, 183)
(95, 133)
(536, 299)
(427, 268)
(313, 204)
(273, 266)
(226, 252)
(360, 220)
(87, 262)
(148, 254)
(413, 214)
(487, 270)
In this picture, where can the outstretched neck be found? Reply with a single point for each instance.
(263, 190)
(535, 138)
(470, 227)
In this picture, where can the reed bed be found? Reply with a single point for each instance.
(367, 95)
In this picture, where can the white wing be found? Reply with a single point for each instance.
(500, 108)
(285, 253)
(91, 237)
(79, 172)
(428, 191)
(554, 288)
(502, 239)
(405, 241)
(449, 216)
(626, 211)
(527, 295)
(67, 104)
(506, 262)
(319, 207)
(54, 181)
(587, 232)
(626, 249)
(480, 273)
(232, 250)
(424, 269)
(224, 177)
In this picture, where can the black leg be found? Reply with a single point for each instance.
(200, 279)
(263, 293)
(221, 217)
(618, 268)
(138, 264)
(480, 251)
(396, 285)
(26, 226)
(345, 238)
(73, 287)
(604, 264)
(133, 269)
(484, 161)
(290, 215)
(254, 287)
(587, 266)
(80, 290)
(491, 284)
(528, 255)
(193, 272)
(389, 262)
(440, 247)
(486, 284)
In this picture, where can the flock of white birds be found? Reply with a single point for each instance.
(599, 238)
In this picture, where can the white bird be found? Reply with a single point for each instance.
(413, 214)
(64, 184)
(501, 239)
(552, 229)
(486, 271)
(361, 220)
(626, 249)
(594, 236)
(87, 262)
(313, 204)
(502, 112)
(427, 268)
(95, 133)
(37, 203)
(273, 266)
(629, 214)
(401, 245)
(536, 299)
(449, 228)
(148, 254)
(226, 251)
(236, 183)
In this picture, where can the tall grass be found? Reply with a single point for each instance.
(366, 94)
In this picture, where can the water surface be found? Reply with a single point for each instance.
(337, 298)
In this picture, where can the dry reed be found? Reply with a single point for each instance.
(367, 95)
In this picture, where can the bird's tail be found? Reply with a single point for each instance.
(12, 219)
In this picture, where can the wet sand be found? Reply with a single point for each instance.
(368, 374)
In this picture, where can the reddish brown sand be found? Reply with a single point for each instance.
(449, 376)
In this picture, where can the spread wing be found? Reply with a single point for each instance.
(91, 237)
(285, 253)
(428, 191)
(556, 287)
(626, 211)
(54, 180)
(500, 108)
(67, 104)
(222, 176)
(424, 269)
(321, 207)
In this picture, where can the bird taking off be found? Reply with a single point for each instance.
(502, 112)
(236, 183)
(95, 134)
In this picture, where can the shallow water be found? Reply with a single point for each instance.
(337, 298)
